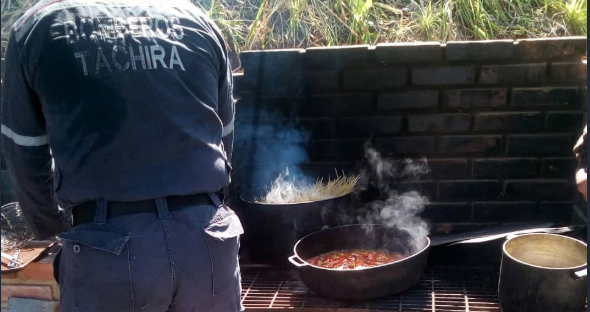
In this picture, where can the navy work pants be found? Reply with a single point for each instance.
(172, 261)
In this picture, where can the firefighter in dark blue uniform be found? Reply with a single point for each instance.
(117, 122)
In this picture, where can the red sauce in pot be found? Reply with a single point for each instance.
(354, 259)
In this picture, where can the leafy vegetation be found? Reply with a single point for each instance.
(263, 24)
(267, 24)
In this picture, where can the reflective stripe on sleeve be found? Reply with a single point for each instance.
(24, 140)
(229, 128)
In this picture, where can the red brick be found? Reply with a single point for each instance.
(424, 188)
(468, 189)
(447, 212)
(480, 50)
(406, 145)
(484, 98)
(557, 211)
(521, 74)
(549, 96)
(509, 122)
(452, 228)
(37, 272)
(569, 48)
(319, 82)
(374, 78)
(336, 57)
(270, 61)
(439, 123)
(26, 291)
(538, 189)
(350, 149)
(565, 121)
(448, 167)
(319, 128)
(252, 107)
(505, 211)
(408, 53)
(455, 75)
(505, 167)
(7, 276)
(574, 73)
(337, 105)
(560, 167)
(541, 144)
(276, 83)
(460, 144)
(365, 126)
(392, 101)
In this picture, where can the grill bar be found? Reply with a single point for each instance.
(441, 289)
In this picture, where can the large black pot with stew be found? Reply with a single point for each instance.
(364, 283)
(271, 230)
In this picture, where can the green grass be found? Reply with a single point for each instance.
(304, 23)
(11, 11)
(432, 21)
(267, 24)
(573, 13)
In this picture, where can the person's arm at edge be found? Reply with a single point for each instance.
(26, 148)
(581, 173)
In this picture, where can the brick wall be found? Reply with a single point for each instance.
(497, 120)
(34, 281)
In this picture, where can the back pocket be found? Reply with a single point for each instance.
(222, 235)
(100, 269)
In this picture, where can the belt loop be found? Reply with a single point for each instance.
(216, 200)
(100, 215)
(162, 205)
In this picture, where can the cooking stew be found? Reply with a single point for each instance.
(354, 259)
(366, 283)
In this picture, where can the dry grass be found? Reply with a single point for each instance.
(269, 24)
(265, 24)
(11, 11)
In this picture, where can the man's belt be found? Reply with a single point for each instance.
(84, 213)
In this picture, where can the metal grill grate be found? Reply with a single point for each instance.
(456, 289)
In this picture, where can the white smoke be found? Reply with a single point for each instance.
(396, 209)
(286, 191)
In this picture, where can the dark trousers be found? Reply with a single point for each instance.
(179, 261)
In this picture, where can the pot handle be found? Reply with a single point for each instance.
(485, 238)
(296, 261)
(578, 275)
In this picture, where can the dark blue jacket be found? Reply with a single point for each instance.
(133, 99)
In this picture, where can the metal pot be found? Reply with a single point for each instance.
(366, 283)
(271, 230)
(384, 280)
(543, 272)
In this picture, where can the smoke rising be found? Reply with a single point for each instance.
(273, 147)
(277, 148)
(392, 207)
